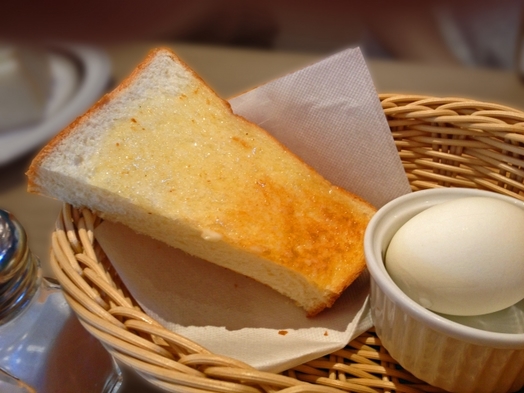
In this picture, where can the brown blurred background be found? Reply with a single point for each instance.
(484, 33)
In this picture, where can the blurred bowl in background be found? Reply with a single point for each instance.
(79, 75)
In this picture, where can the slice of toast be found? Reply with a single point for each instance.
(164, 155)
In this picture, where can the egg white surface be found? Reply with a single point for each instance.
(461, 257)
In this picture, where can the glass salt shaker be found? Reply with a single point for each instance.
(43, 346)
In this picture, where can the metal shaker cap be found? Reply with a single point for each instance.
(13, 243)
(18, 268)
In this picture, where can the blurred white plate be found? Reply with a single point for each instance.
(80, 76)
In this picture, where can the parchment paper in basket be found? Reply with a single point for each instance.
(329, 114)
(228, 313)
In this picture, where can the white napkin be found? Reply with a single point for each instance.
(329, 115)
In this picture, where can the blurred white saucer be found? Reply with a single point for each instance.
(80, 75)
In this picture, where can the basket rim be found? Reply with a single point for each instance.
(74, 234)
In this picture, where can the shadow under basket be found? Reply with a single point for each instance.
(442, 142)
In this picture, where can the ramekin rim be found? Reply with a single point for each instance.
(438, 323)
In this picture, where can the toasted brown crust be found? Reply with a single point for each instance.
(316, 246)
(31, 173)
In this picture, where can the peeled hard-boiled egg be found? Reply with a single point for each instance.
(461, 257)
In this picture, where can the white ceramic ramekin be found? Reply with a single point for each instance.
(443, 353)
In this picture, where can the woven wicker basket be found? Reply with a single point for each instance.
(443, 142)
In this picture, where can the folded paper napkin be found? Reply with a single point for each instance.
(328, 114)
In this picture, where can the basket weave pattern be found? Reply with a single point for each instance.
(441, 142)
(452, 142)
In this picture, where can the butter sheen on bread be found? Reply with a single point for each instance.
(164, 155)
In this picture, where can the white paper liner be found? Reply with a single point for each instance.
(328, 114)
(226, 312)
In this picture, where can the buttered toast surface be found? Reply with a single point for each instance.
(165, 155)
